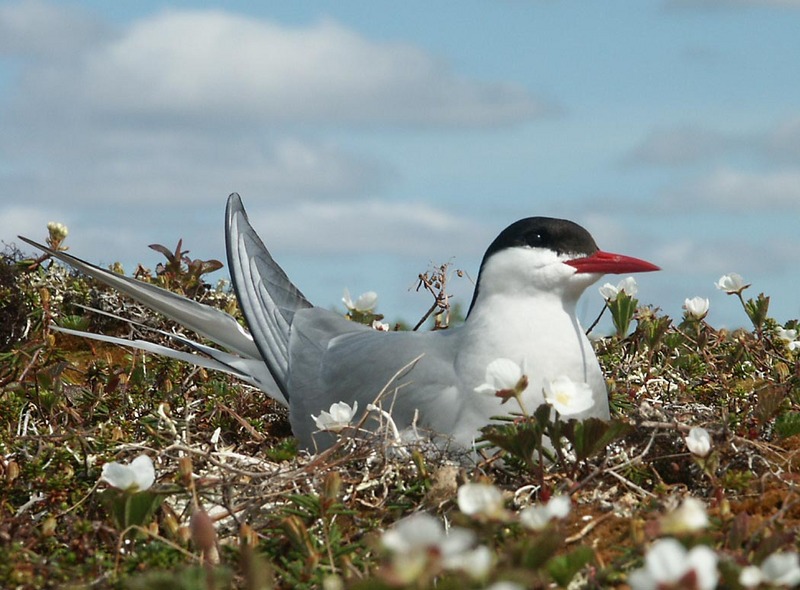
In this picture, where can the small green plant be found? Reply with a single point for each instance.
(181, 273)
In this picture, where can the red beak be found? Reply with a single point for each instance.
(607, 263)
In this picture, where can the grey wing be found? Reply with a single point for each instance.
(336, 360)
(214, 324)
(267, 297)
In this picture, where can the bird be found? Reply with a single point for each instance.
(309, 358)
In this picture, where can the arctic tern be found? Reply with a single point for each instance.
(309, 358)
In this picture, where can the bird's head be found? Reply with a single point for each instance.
(543, 256)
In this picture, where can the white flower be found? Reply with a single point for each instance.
(608, 291)
(57, 231)
(138, 476)
(481, 498)
(476, 563)
(779, 569)
(505, 585)
(696, 307)
(782, 569)
(567, 396)
(337, 418)
(627, 285)
(501, 374)
(537, 517)
(690, 516)
(559, 506)
(380, 326)
(789, 337)
(667, 562)
(365, 303)
(750, 576)
(731, 283)
(420, 539)
(699, 441)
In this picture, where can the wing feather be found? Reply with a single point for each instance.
(337, 360)
(267, 297)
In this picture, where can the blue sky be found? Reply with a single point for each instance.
(369, 140)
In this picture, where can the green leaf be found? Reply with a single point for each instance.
(131, 509)
(544, 546)
(592, 435)
(787, 424)
(74, 322)
(564, 567)
(140, 507)
(521, 440)
(655, 330)
(309, 502)
(190, 578)
(622, 310)
(757, 310)
(542, 415)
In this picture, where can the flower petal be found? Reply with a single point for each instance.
(567, 396)
(703, 560)
(782, 568)
(699, 441)
(666, 561)
(480, 498)
(117, 475)
(143, 471)
(139, 475)
(559, 506)
(609, 292)
(628, 286)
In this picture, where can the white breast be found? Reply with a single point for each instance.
(537, 329)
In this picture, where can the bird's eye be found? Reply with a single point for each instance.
(534, 238)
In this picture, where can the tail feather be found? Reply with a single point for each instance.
(267, 297)
(214, 324)
(200, 361)
(250, 370)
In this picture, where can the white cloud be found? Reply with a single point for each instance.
(782, 142)
(608, 229)
(680, 145)
(179, 168)
(32, 28)
(712, 257)
(733, 190)
(693, 144)
(218, 68)
(212, 62)
(414, 228)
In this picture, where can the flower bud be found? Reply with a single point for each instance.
(204, 536)
(696, 307)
